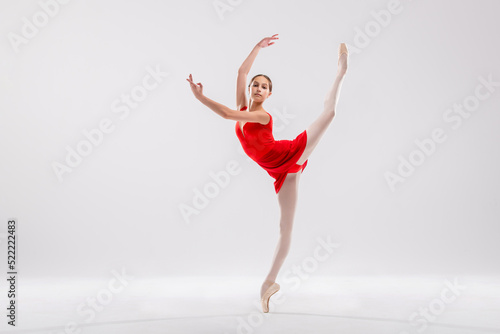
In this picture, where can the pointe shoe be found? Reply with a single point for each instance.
(267, 295)
(342, 50)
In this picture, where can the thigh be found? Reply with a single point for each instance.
(288, 195)
(315, 132)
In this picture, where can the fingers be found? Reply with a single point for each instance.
(190, 80)
(272, 38)
(193, 85)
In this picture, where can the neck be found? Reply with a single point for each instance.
(255, 106)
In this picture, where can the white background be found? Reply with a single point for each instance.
(121, 207)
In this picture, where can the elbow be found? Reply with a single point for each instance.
(227, 114)
(329, 110)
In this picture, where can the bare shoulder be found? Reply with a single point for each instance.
(267, 118)
(262, 117)
(243, 115)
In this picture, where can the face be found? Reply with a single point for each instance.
(259, 89)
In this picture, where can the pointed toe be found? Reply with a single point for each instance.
(267, 295)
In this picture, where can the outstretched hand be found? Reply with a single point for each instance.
(267, 41)
(196, 88)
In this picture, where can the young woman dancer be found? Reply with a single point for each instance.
(284, 160)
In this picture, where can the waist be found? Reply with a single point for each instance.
(257, 150)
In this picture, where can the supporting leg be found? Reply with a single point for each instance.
(287, 198)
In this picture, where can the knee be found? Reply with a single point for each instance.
(285, 242)
(285, 231)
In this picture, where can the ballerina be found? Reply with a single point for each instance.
(284, 160)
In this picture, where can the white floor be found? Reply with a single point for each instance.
(389, 305)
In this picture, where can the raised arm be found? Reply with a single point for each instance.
(241, 96)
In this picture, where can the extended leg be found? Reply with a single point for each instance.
(287, 198)
(316, 130)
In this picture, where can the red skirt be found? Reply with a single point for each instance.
(282, 159)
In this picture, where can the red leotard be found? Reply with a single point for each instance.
(277, 157)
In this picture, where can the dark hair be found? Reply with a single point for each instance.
(265, 76)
